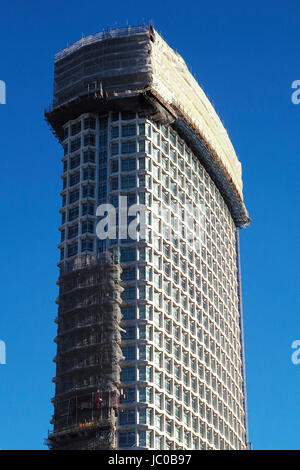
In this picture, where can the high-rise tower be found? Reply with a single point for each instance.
(135, 126)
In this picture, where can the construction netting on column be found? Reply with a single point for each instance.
(88, 353)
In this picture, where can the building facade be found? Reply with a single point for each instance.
(182, 382)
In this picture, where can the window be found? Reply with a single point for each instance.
(129, 164)
(89, 139)
(102, 159)
(114, 132)
(129, 274)
(88, 173)
(128, 182)
(128, 255)
(87, 244)
(127, 417)
(145, 416)
(128, 395)
(126, 439)
(158, 422)
(129, 293)
(89, 123)
(128, 313)
(74, 162)
(75, 145)
(115, 149)
(129, 333)
(142, 146)
(129, 131)
(158, 442)
(144, 438)
(88, 191)
(145, 373)
(74, 196)
(75, 128)
(89, 157)
(128, 147)
(168, 427)
(129, 353)
(72, 249)
(87, 226)
(73, 231)
(103, 139)
(88, 208)
(102, 192)
(128, 374)
(114, 183)
(73, 213)
(74, 179)
(114, 166)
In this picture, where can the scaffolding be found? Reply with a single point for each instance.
(88, 354)
(134, 69)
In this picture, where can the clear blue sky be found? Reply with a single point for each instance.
(245, 55)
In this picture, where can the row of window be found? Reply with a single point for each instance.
(73, 129)
(146, 439)
(221, 297)
(87, 226)
(177, 395)
(87, 244)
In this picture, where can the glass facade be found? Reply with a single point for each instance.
(182, 383)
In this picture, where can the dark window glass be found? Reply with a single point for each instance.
(72, 249)
(129, 164)
(128, 147)
(114, 132)
(73, 213)
(88, 191)
(75, 128)
(75, 145)
(129, 131)
(89, 157)
(74, 162)
(89, 139)
(89, 123)
(74, 179)
(88, 208)
(73, 231)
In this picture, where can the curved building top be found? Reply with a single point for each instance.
(136, 62)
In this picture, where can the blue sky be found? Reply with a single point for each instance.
(245, 56)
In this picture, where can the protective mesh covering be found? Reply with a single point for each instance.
(135, 69)
(88, 354)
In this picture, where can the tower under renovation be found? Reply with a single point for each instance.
(150, 350)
